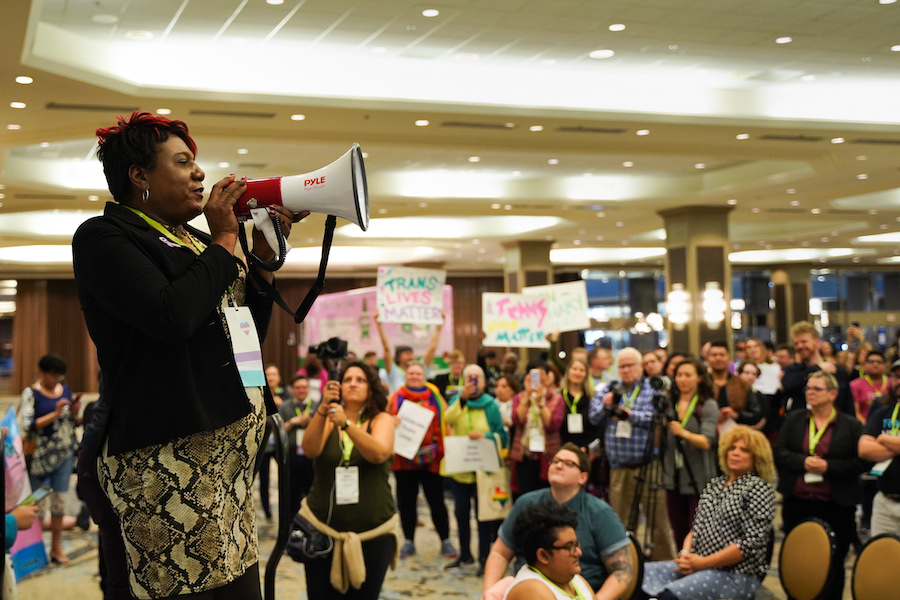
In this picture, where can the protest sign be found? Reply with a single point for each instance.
(514, 320)
(567, 305)
(408, 295)
(465, 455)
(414, 423)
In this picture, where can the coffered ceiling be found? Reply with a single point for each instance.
(528, 137)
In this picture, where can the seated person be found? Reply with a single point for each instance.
(605, 558)
(545, 536)
(725, 554)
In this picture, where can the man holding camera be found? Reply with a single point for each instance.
(625, 411)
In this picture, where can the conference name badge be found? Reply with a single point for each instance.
(346, 484)
(245, 345)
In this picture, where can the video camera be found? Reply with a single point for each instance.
(334, 348)
(614, 410)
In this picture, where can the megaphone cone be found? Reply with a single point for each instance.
(338, 189)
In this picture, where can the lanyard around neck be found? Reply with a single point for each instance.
(348, 443)
(690, 410)
(574, 587)
(880, 389)
(168, 234)
(895, 425)
(815, 436)
(573, 405)
(630, 402)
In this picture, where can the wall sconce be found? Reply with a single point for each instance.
(713, 305)
(678, 306)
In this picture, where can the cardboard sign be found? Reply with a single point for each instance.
(514, 320)
(567, 305)
(407, 295)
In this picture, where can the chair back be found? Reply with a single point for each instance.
(637, 560)
(805, 560)
(874, 577)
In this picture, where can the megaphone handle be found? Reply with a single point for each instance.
(281, 251)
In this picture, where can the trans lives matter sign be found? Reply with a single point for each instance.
(514, 320)
(567, 305)
(407, 295)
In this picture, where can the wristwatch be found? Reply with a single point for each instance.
(347, 424)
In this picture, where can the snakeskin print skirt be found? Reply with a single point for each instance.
(185, 507)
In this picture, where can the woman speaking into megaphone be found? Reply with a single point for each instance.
(177, 330)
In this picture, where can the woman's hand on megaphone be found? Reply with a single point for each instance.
(223, 224)
(261, 247)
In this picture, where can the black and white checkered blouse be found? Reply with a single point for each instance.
(740, 513)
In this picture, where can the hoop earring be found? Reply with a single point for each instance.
(145, 195)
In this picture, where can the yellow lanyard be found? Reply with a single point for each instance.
(348, 443)
(815, 436)
(634, 394)
(690, 410)
(168, 234)
(880, 390)
(573, 405)
(895, 425)
(574, 587)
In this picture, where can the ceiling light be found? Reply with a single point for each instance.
(886, 1)
(24, 79)
(275, 2)
(642, 132)
(58, 254)
(298, 117)
(895, 48)
(743, 136)
(838, 140)
(423, 123)
(44, 144)
(795, 203)
(164, 111)
(243, 151)
(732, 202)
(536, 128)
(488, 227)
(13, 126)
(791, 191)
(617, 27)
(496, 206)
(603, 255)
(224, 165)
(507, 207)
(784, 40)
(474, 159)
(862, 157)
(700, 166)
(17, 105)
(138, 34)
(602, 214)
(2, 196)
(553, 161)
(792, 254)
(93, 198)
(816, 211)
(862, 176)
(105, 19)
(754, 210)
(602, 53)
(430, 12)
(620, 223)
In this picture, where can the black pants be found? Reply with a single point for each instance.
(245, 587)
(408, 483)
(841, 519)
(264, 482)
(301, 479)
(377, 554)
(463, 493)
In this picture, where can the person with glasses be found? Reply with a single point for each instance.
(872, 384)
(819, 469)
(605, 560)
(725, 554)
(624, 411)
(545, 534)
(880, 442)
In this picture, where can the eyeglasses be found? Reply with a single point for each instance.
(566, 463)
(875, 361)
(629, 366)
(813, 388)
(572, 547)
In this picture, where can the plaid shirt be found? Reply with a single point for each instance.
(626, 452)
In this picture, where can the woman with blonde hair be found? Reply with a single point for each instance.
(724, 555)
(576, 427)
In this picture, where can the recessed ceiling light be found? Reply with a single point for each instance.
(13, 127)
(423, 123)
(430, 12)
(643, 132)
(602, 53)
(862, 176)
(628, 164)
(791, 191)
(742, 136)
(24, 79)
(886, 1)
(474, 159)
(536, 128)
(895, 48)
(732, 202)
(602, 214)
(673, 47)
(507, 207)
(138, 34)
(44, 144)
(862, 157)
(553, 161)
(224, 165)
(617, 27)
(93, 198)
(816, 211)
(496, 206)
(17, 105)
(298, 117)
(838, 140)
(795, 203)
(243, 151)
(755, 209)
(620, 223)
(784, 40)
(105, 19)
(275, 2)
(2, 196)
(164, 111)
(700, 165)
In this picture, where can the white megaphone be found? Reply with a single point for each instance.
(338, 189)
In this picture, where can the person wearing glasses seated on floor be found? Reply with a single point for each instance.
(605, 560)
(545, 534)
(725, 554)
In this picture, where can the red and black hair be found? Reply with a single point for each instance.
(135, 142)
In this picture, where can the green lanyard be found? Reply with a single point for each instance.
(815, 436)
(690, 410)
(348, 443)
(883, 383)
(574, 587)
(634, 394)
(573, 406)
(168, 234)
(895, 425)
(305, 410)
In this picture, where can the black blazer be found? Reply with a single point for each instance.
(150, 307)
(844, 464)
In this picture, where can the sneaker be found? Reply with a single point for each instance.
(460, 562)
(447, 549)
(407, 549)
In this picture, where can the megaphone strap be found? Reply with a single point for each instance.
(314, 291)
